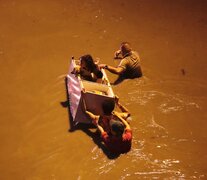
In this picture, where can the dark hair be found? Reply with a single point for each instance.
(98, 73)
(89, 62)
(117, 127)
(108, 106)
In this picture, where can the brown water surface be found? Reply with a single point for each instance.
(168, 105)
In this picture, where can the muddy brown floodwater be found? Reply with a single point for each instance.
(168, 105)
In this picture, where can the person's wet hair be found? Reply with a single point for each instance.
(117, 127)
(108, 106)
(126, 47)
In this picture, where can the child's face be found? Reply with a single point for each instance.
(83, 64)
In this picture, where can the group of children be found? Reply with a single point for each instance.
(114, 129)
(113, 126)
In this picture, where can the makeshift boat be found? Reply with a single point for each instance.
(94, 94)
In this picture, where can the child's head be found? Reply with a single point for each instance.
(87, 62)
(108, 106)
(117, 127)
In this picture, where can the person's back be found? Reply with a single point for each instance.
(104, 120)
(120, 139)
(118, 144)
(107, 106)
(131, 65)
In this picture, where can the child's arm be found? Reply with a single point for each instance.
(127, 126)
(122, 119)
(76, 70)
(100, 128)
(121, 107)
(93, 117)
(95, 121)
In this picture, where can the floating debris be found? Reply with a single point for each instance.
(183, 72)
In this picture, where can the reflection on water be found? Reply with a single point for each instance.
(168, 105)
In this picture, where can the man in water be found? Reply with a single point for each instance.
(129, 67)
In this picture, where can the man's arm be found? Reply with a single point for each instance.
(118, 55)
(114, 70)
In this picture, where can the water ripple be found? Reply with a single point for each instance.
(176, 103)
(166, 103)
(106, 166)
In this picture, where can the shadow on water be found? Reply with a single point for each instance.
(86, 128)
